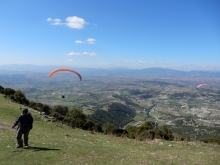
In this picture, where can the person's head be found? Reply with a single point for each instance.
(24, 111)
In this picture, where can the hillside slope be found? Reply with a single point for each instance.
(52, 143)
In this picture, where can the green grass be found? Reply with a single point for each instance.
(140, 116)
(155, 113)
(104, 108)
(52, 143)
(88, 112)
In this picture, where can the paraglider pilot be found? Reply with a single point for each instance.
(25, 124)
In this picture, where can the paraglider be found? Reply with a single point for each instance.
(53, 93)
(200, 85)
(65, 70)
(205, 92)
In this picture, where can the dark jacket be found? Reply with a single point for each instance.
(24, 121)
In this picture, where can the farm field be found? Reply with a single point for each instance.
(186, 110)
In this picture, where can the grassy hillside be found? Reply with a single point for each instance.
(52, 143)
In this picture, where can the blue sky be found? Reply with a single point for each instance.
(177, 34)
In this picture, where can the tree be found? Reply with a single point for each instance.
(76, 118)
(46, 109)
(75, 113)
(60, 109)
(131, 131)
(90, 125)
(9, 91)
(1, 90)
(77, 123)
(108, 128)
(32, 104)
(38, 106)
(20, 97)
(97, 128)
(167, 134)
(57, 116)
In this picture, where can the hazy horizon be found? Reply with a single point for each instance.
(48, 68)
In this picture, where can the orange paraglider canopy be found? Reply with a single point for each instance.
(65, 70)
(198, 86)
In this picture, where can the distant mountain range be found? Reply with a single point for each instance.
(151, 72)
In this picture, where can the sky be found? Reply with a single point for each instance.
(136, 34)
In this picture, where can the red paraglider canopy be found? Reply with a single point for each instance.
(198, 86)
(65, 70)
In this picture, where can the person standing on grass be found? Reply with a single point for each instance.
(25, 124)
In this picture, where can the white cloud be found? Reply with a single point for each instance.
(55, 21)
(91, 41)
(88, 41)
(49, 19)
(89, 53)
(83, 53)
(73, 54)
(79, 42)
(72, 22)
(75, 22)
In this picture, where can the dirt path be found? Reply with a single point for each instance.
(5, 127)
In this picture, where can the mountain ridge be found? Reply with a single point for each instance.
(153, 72)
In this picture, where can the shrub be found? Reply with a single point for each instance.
(88, 125)
(167, 134)
(9, 91)
(77, 123)
(20, 97)
(131, 131)
(146, 131)
(57, 116)
(60, 109)
(1, 90)
(75, 118)
(108, 128)
(120, 132)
